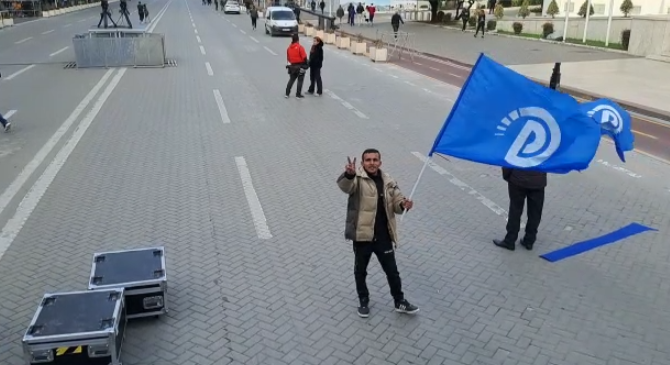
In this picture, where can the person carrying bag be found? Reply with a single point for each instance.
(297, 66)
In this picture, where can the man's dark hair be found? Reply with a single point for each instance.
(295, 38)
(371, 150)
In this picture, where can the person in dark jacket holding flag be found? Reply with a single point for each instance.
(396, 19)
(523, 186)
(315, 63)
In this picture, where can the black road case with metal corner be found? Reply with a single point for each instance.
(141, 272)
(77, 328)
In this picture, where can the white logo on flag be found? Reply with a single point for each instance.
(538, 140)
(609, 118)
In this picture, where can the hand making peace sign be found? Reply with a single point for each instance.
(350, 167)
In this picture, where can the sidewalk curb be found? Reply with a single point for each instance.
(576, 92)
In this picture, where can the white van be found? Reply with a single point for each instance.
(280, 20)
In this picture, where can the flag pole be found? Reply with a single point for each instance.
(416, 184)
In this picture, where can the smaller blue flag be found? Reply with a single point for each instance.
(614, 121)
(502, 118)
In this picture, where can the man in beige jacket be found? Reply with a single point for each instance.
(374, 200)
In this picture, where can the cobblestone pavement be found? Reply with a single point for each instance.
(159, 165)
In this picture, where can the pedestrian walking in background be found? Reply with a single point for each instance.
(359, 11)
(297, 66)
(253, 13)
(371, 13)
(315, 64)
(216, 5)
(396, 19)
(146, 13)
(465, 16)
(322, 5)
(374, 200)
(481, 22)
(523, 187)
(340, 13)
(351, 11)
(140, 11)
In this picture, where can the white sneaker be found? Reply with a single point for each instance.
(8, 127)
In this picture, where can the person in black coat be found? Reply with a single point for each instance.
(523, 187)
(315, 63)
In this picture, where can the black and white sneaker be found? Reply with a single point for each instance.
(404, 306)
(300, 96)
(286, 96)
(8, 127)
(363, 309)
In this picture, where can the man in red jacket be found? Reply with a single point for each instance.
(371, 11)
(296, 59)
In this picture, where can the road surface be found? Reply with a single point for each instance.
(209, 159)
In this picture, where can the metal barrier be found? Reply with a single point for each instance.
(108, 50)
(398, 43)
(320, 21)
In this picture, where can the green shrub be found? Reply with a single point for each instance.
(626, 7)
(439, 17)
(553, 8)
(547, 28)
(582, 9)
(518, 27)
(491, 25)
(499, 11)
(523, 10)
(447, 18)
(625, 39)
(472, 20)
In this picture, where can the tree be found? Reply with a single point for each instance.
(582, 9)
(499, 11)
(553, 8)
(523, 10)
(626, 7)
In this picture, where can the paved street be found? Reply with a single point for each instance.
(208, 159)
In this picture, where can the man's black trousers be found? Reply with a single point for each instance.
(386, 256)
(535, 201)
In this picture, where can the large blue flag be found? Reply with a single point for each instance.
(615, 122)
(501, 118)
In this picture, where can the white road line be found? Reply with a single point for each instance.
(23, 40)
(196, 31)
(28, 170)
(193, 24)
(409, 83)
(7, 116)
(48, 31)
(394, 76)
(59, 51)
(83, 20)
(495, 208)
(618, 168)
(19, 72)
(243, 32)
(346, 104)
(260, 223)
(454, 75)
(210, 72)
(67, 25)
(254, 39)
(32, 198)
(222, 107)
(434, 68)
(269, 50)
(416, 63)
(234, 25)
(202, 50)
(198, 38)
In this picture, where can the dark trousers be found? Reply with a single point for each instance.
(465, 22)
(253, 23)
(395, 29)
(386, 256)
(480, 26)
(294, 74)
(141, 17)
(315, 78)
(3, 121)
(535, 201)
